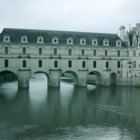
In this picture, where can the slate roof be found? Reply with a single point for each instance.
(32, 34)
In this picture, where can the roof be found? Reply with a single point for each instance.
(32, 34)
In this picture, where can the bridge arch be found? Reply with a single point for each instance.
(113, 79)
(40, 72)
(8, 76)
(72, 75)
(42, 78)
(94, 77)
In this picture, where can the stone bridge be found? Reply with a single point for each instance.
(80, 76)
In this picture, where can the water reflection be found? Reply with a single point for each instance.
(69, 113)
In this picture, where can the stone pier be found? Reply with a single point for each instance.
(23, 78)
(54, 78)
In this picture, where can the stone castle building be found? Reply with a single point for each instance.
(106, 59)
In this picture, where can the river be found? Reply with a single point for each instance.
(68, 113)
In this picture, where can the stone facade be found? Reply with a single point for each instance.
(105, 59)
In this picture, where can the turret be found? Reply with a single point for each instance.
(122, 33)
(127, 39)
(134, 40)
(139, 42)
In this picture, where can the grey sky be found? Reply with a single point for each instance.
(72, 15)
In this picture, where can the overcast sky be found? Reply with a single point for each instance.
(72, 15)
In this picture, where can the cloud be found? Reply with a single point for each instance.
(79, 15)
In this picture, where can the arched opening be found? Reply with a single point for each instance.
(7, 76)
(39, 80)
(69, 77)
(113, 79)
(94, 78)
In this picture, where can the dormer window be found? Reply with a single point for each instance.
(40, 39)
(94, 41)
(118, 43)
(106, 42)
(6, 38)
(83, 41)
(55, 40)
(24, 39)
(70, 40)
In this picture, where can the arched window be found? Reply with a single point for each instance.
(55, 40)
(94, 41)
(118, 43)
(106, 42)
(24, 39)
(70, 40)
(40, 39)
(6, 38)
(83, 41)
(24, 63)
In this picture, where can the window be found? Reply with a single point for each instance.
(94, 42)
(134, 64)
(118, 43)
(40, 39)
(55, 64)
(6, 63)
(55, 51)
(127, 53)
(134, 53)
(82, 52)
(6, 50)
(6, 38)
(24, 39)
(94, 64)
(118, 53)
(70, 40)
(106, 53)
(106, 42)
(40, 51)
(118, 64)
(94, 52)
(23, 50)
(24, 64)
(70, 52)
(69, 63)
(40, 63)
(107, 64)
(83, 41)
(55, 40)
(83, 64)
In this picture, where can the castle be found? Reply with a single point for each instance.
(106, 59)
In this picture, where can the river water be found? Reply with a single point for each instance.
(68, 113)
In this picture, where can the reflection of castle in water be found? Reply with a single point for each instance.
(76, 106)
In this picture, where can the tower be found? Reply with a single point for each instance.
(122, 33)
